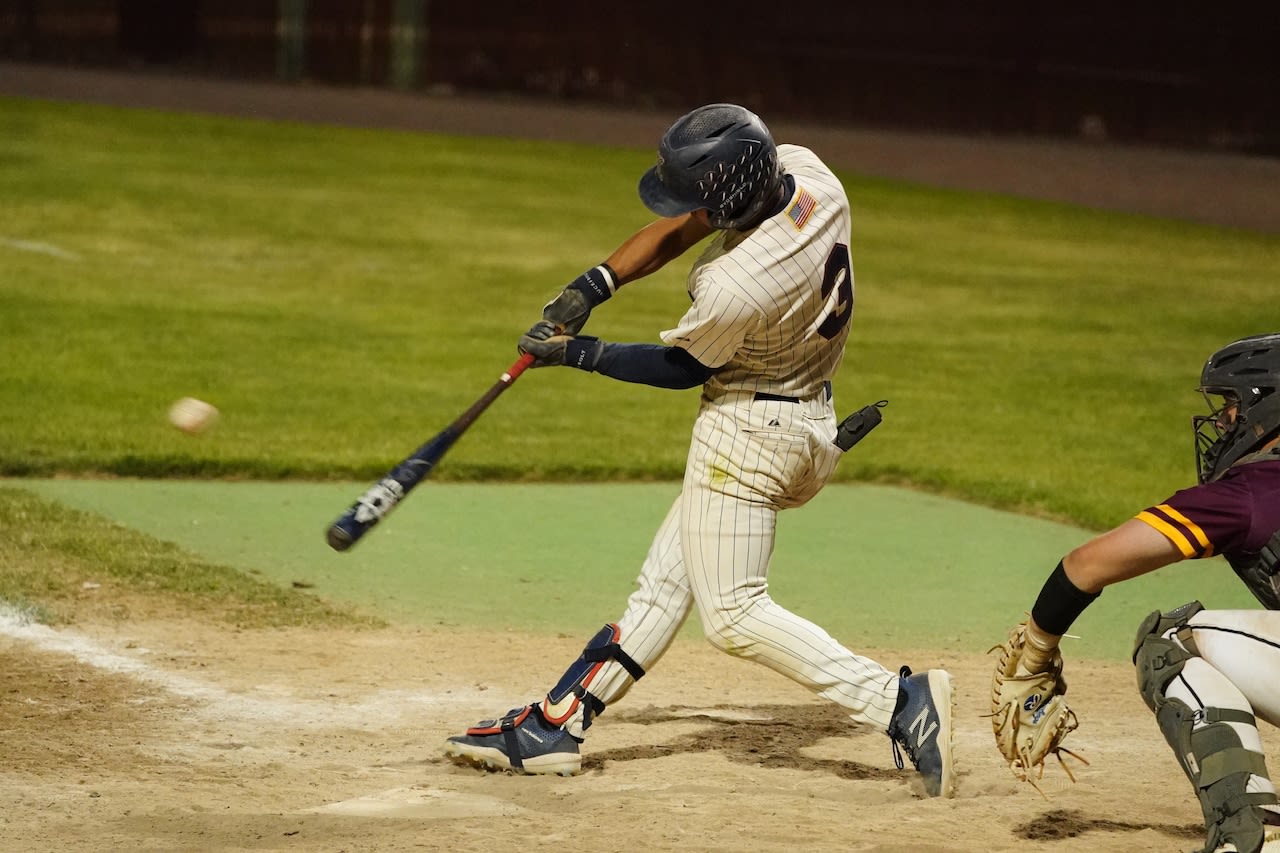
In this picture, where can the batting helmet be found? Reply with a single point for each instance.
(1246, 374)
(720, 158)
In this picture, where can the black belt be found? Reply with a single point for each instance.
(760, 395)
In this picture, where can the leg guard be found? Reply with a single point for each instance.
(1159, 659)
(570, 705)
(1208, 749)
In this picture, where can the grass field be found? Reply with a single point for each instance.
(341, 294)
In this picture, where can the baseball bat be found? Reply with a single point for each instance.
(384, 495)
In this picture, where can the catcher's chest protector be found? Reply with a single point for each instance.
(1262, 573)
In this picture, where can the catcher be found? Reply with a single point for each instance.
(1207, 675)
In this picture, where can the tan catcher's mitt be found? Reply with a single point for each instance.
(1029, 715)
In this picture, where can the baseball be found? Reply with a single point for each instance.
(192, 416)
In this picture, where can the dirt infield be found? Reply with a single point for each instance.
(171, 735)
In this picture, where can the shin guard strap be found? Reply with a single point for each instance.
(594, 705)
(600, 654)
(509, 725)
(1229, 715)
(1219, 813)
(1227, 762)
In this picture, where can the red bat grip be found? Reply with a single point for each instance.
(514, 371)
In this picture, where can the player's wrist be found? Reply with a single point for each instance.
(1041, 650)
(1060, 602)
(596, 284)
(583, 352)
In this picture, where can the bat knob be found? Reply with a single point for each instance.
(339, 539)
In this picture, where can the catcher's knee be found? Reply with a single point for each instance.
(1159, 657)
(570, 703)
(1203, 739)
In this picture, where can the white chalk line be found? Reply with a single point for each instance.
(215, 702)
(39, 248)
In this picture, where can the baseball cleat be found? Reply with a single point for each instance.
(923, 728)
(521, 742)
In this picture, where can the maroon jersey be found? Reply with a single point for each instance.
(1233, 516)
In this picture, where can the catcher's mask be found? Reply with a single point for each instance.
(1245, 374)
(720, 158)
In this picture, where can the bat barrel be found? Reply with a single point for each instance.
(387, 493)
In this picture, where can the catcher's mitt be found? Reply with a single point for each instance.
(1029, 713)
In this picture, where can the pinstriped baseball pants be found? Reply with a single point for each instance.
(748, 460)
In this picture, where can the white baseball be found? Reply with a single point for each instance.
(192, 415)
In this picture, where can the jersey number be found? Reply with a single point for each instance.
(838, 276)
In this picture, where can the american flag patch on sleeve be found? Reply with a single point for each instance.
(801, 208)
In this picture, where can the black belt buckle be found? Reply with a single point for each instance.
(855, 427)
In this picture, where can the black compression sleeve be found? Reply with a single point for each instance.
(1060, 603)
(651, 364)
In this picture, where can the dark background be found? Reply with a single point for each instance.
(1178, 74)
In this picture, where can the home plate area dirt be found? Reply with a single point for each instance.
(169, 734)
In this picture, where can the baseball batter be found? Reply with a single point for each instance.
(772, 298)
(1208, 675)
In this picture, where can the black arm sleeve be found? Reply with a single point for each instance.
(1060, 602)
(652, 364)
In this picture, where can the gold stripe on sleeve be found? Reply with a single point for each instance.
(1170, 532)
(1195, 529)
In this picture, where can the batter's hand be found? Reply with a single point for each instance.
(554, 350)
(568, 311)
(571, 309)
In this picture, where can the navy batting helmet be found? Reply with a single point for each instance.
(720, 158)
(1246, 374)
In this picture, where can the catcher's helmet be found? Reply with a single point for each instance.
(1246, 374)
(719, 157)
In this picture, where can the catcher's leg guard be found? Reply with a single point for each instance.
(570, 705)
(1159, 658)
(1208, 748)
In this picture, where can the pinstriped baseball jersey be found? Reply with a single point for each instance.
(771, 307)
(771, 310)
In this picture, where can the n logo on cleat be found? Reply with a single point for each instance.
(922, 723)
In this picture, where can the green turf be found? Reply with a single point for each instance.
(342, 294)
(875, 565)
(57, 562)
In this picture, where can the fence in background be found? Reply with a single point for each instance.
(1201, 75)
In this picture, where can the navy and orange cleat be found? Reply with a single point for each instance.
(521, 742)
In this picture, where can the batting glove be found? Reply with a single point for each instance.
(552, 350)
(570, 310)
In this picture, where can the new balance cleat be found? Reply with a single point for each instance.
(923, 728)
(521, 742)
